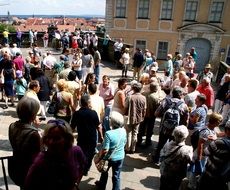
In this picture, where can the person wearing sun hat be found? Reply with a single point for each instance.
(205, 73)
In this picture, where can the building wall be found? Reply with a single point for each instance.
(177, 32)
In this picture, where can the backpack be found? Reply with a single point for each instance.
(171, 117)
(195, 137)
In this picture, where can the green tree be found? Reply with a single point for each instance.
(9, 27)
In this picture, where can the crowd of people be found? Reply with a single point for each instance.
(117, 117)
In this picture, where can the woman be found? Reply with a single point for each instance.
(73, 87)
(106, 91)
(113, 148)
(87, 63)
(77, 64)
(24, 139)
(198, 115)
(125, 61)
(60, 166)
(175, 157)
(65, 102)
(9, 76)
(90, 79)
(119, 97)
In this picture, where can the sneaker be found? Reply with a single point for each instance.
(157, 164)
(5, 107)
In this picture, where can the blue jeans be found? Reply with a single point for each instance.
(105, 124)
(116, 170)
(97, 73)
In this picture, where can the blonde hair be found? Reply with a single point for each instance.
(61, 84)
(215, 118)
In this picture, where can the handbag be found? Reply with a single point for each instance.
(103, 164)
(53, 107)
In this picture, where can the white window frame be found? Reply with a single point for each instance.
(120, 8)
(141, 10)
(190, 11)
(163, 57)
(144, 45)
(218, 14)
(163, 10)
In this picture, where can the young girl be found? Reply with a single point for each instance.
(20, 84)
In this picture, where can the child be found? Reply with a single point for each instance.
(20, 84)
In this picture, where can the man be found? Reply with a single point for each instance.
(205, 73)
(65, 72)
(15, 50)
(153, 100)
(118, 45)
(87, 123)
(192, 93)
(31, 37)
(18, 62)
(167, 103)
(138, 60)
(48, 63)
(206, 89)
(136, 108)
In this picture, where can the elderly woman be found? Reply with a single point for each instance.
(24, 139)
(113, 149)
(175, 157)
(60, 166)
(65, 102)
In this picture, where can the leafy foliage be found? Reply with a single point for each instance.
(9, 27)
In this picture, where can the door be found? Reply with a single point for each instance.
(202, 47)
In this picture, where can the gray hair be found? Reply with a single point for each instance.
(154, 86)
(116, 120)
(27, 109)
(137, 87)
(180, 133)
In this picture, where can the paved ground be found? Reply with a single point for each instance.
(138, 172)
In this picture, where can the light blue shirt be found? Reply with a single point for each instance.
(113, 138)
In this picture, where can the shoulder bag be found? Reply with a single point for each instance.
(103, 164)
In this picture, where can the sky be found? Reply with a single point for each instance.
(52, 7)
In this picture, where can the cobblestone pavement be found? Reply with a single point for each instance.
(138, 172)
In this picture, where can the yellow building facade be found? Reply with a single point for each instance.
(169, 26)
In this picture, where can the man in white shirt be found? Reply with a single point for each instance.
(117, 50)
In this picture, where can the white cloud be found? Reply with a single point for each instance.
(62, 7)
